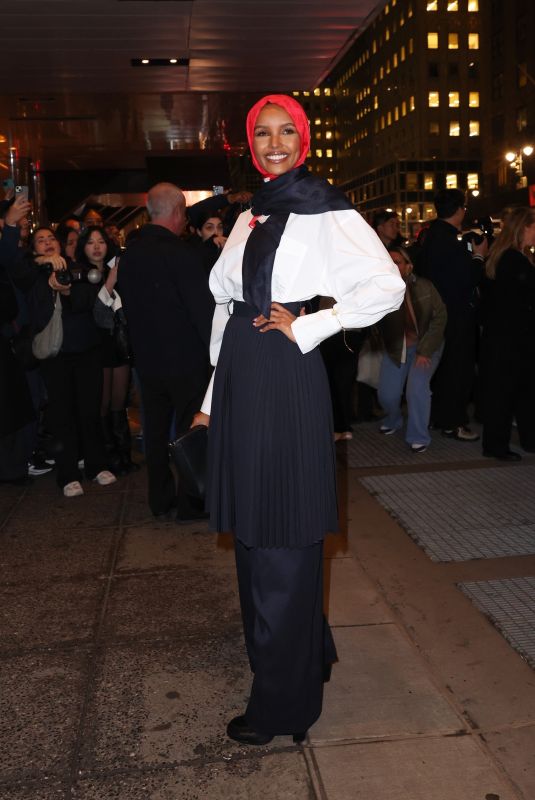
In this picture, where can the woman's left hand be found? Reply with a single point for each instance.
(280, 320)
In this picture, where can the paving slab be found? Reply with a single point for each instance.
(48, 613)
(514, 749)
(40, 707)
(452, 768)
(380, 688)
(92, 510)
(281, 776)
(167, 704)
(147, 546)
(186, 603)
(45, 789)
(50, 551)
(369, 448)
(510, 605)
(350, 597)
(463, 514)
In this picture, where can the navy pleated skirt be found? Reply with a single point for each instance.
(271, 458)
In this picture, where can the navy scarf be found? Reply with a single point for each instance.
(295, 192)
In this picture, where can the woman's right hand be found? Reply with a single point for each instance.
(200, 419)
(57, 263)
(58, 287)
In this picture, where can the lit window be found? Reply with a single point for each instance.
(395, 60)
(433, 99)
(455, 128)
(317, 92)
(376, 126)
(474, 127)
(473, 5)
(451, 180)
(412, 104)
(453, 99)
(327, 92)
(396, 113)
(411, 46)
(381, 73)
(329, 153)
(319, 153)
(453, 5)
(402, 53)
(388, 66)
(387, 10)
(295, 94)
(453, 41)
(387, 35)
(328, 134)
(472, 180)
(376, 102)
(434, 128)
(432, 41)
(382, 123)
(473, 99)
(389, 118)
(432, 5)
(429, 181)
(317, 135)
(306, 94)
(409, 10)
(403, 109)
(473, 41)
(317, 121)
(374, 46)
(401, 20)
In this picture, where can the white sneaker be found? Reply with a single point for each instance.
(105, 477)
(73, 489)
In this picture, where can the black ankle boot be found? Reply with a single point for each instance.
(239, 730)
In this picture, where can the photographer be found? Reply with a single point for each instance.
(74, 377)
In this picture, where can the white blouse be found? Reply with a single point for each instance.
(334, 254)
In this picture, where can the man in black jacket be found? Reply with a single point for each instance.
(169, 311)
(456, 273)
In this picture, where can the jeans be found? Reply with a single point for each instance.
(391, 383)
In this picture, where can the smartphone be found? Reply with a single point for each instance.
(9, 183)
(21, 190)
(218, 189)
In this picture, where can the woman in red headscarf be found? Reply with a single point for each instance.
(272, 473)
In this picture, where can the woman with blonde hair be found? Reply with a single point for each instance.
(508, 338)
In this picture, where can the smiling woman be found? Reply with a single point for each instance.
(271, 477)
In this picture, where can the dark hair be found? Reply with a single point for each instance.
(36, 231)
(62, 234)
(448, 201)
(203, 217)
(382, 216)
(80, 255)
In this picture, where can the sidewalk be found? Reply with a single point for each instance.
(121, 655)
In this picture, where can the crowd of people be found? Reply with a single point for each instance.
(461, 338)
(261, 325)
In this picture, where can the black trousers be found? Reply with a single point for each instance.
(163, 396)
(508, 381)
(288, 640)
(341, 365)
(453, 381)
(74, 385)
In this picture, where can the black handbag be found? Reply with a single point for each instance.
(189, 453)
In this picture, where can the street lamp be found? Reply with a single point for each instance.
(516, 162)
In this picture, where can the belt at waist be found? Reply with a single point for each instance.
(240, 309)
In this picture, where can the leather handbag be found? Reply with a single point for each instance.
(47, 343)
(189, 453)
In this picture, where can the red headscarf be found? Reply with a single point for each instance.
(299, 119)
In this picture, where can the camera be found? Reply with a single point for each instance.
(74, 274)
(471, 238)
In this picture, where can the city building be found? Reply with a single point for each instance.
(408, 101)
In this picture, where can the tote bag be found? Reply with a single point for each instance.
(47, 343)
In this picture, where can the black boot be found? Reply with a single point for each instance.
(123, 441)
(112, 455)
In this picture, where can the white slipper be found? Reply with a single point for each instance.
(105, 477)
(73, 489)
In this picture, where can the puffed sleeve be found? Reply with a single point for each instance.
(358, 273)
